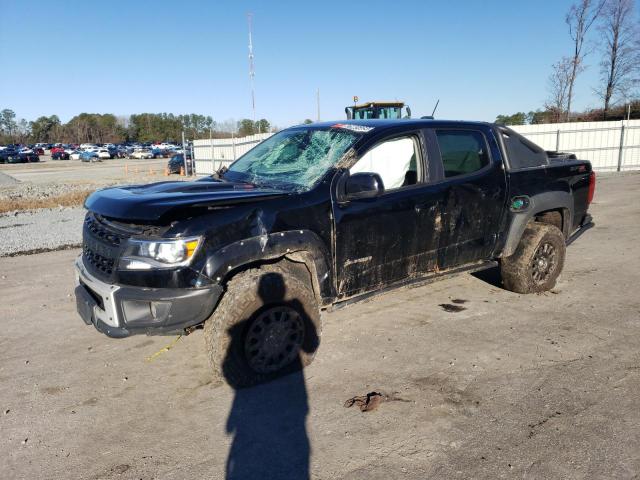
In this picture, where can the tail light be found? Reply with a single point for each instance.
(592, 187)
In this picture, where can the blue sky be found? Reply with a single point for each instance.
(480, 58)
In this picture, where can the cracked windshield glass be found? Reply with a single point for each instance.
(293, 159)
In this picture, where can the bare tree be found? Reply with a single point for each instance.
(580, 19)
(23, 130)
(559, 82)
(621, 50)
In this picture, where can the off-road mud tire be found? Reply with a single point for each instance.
(516, 270)
(226, 329)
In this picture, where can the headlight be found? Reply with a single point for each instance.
(148, 254)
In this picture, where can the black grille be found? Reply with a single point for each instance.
(106, 265)
(99, 231)
(101, 247)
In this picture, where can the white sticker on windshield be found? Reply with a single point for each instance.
(353, 128)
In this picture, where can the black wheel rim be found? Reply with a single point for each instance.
(274, 339)
(544, 263)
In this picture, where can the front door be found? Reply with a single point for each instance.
(376, 242)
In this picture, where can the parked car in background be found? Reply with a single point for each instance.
(121, 152)
(103, 154)
(75, 155)
(14, 155)
(7, 152)
(38, 150)
(141, 153)
(30, 157)
(22, 157)
(60, 154)
(161, 153)
(164, 146)
(176, 163)
(89, 156)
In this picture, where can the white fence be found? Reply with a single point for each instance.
(609, 146)
(210, 155)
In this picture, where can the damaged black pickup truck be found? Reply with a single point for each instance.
(322, 215)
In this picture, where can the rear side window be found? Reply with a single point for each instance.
(462, 151)
(522, 153)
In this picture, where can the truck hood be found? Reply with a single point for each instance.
(154, 201)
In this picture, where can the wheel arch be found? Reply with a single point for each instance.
(540, 206)
(299, 246)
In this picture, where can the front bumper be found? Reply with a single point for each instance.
(120, 311)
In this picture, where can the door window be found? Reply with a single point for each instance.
(522, 153)
(397, 162)
(462, 151)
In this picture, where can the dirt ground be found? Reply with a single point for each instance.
(509, 386)
(75, 171)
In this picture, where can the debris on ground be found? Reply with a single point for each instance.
(120, 469)
(451, 308)
(152, 357)
(371, 401)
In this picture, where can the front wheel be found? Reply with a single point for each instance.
(266, 325)
(537, 262)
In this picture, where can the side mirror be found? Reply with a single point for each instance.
(363, 185)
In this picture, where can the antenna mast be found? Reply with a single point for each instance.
(251, 70)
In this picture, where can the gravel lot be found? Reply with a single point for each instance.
(55, 228)
(7, 179)
(34, 191)
(73, 171)
(40, 230)
(511, 386)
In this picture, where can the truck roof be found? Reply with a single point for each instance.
(380, 124)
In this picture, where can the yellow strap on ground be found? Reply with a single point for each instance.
(162, 350)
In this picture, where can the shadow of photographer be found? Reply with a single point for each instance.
(268, 421)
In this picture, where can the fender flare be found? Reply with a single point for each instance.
(298, 245)
(556, 200)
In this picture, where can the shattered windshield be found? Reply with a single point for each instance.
(293, 159)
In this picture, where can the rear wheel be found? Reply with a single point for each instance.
(537, 262)
(266, 325)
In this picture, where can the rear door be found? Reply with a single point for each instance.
(472, 190)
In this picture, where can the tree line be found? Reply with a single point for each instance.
(109, 128)
(617, 112)
(610, 30)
